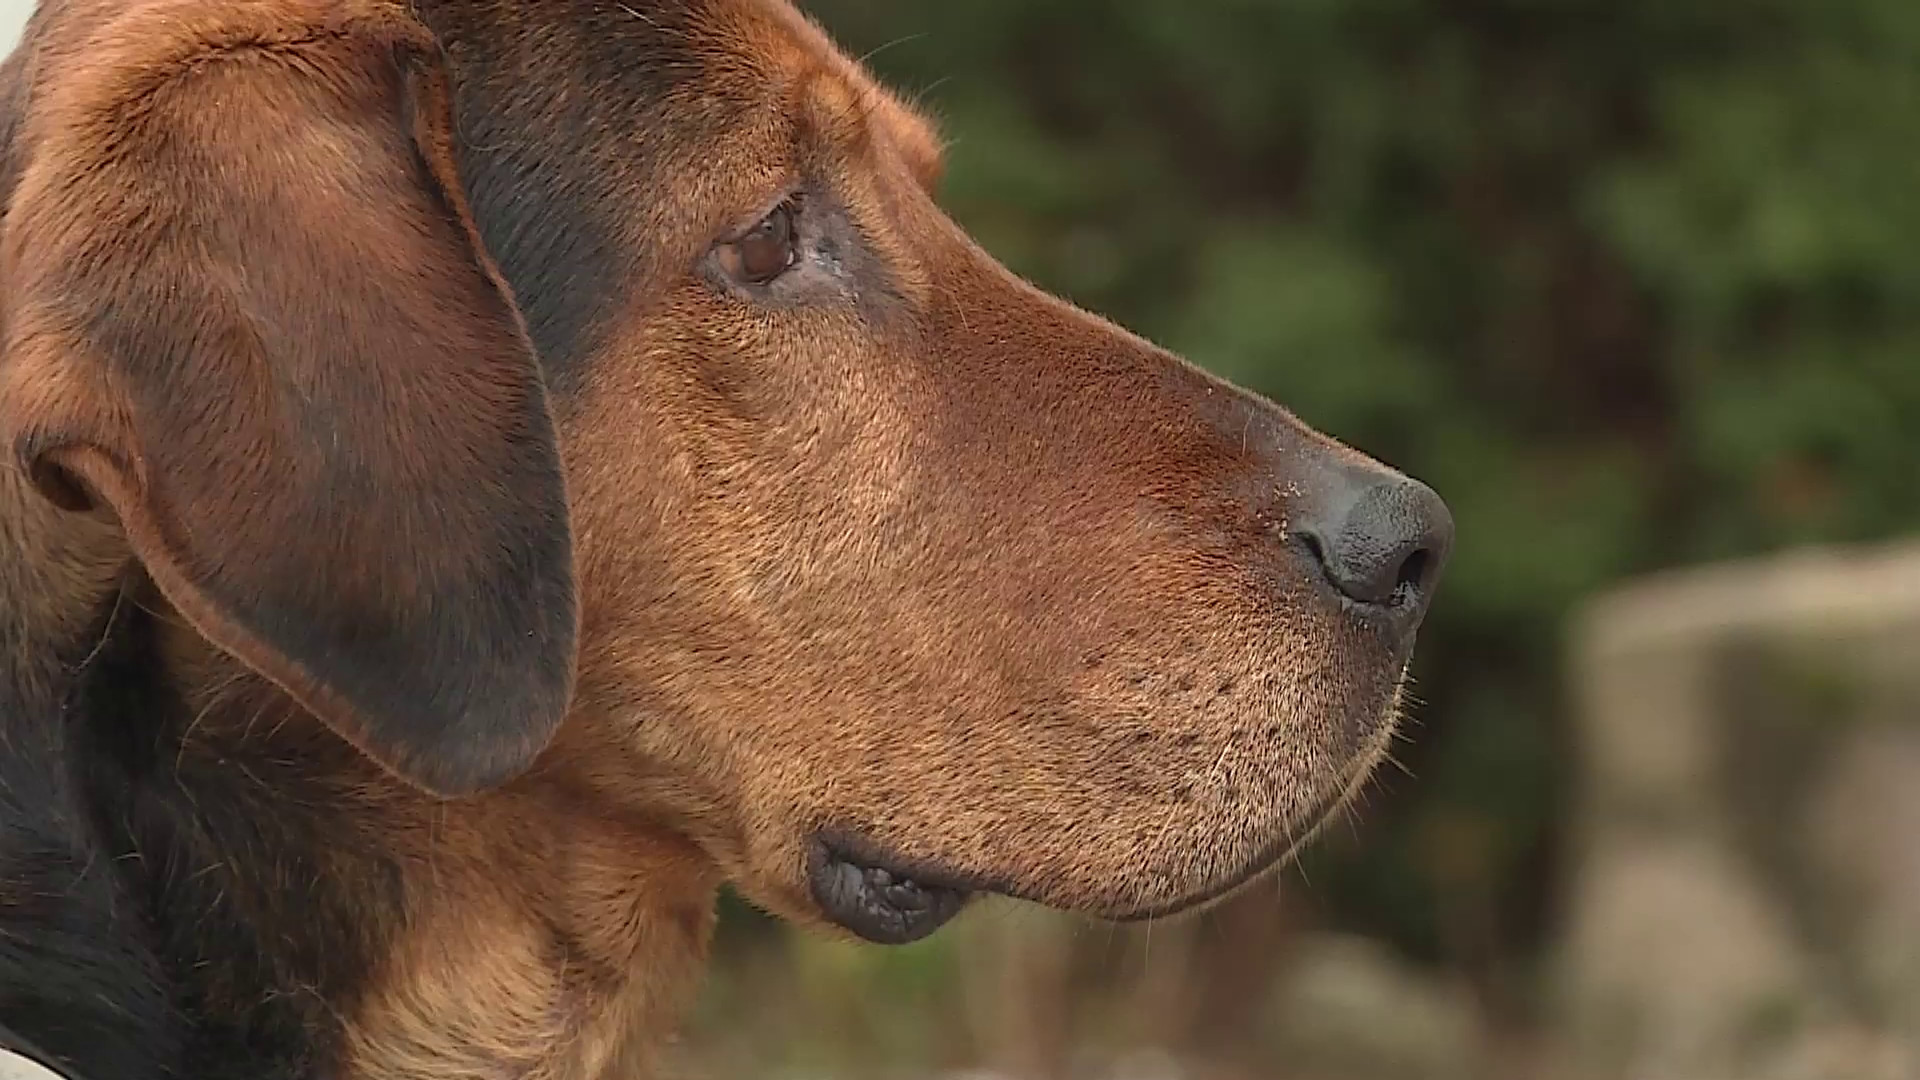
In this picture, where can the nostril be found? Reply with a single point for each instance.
(1412, 578)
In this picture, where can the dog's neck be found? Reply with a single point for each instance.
(535, 930)
(362, 928)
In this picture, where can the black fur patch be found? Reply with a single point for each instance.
(80, 983)
(180, 910)
(266, 902)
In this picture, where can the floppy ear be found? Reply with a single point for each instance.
(246, 307)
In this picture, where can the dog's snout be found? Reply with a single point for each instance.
(1381, 540)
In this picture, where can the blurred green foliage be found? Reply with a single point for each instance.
(1631, 282)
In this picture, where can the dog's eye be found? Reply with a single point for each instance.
(768, 250)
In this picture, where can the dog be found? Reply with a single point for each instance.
(483, 474)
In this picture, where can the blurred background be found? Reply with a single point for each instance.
(1635, 284)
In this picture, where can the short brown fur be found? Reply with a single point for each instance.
(618, 597)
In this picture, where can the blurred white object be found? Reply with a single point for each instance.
(13, 1066)
(13, 18)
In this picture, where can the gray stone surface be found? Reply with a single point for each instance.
(1746, 896)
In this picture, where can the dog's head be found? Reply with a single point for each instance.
(598, 388)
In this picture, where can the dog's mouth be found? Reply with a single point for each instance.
(892, 900)
(888, 900)
(881, 898)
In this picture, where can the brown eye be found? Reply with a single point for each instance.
(764, 253)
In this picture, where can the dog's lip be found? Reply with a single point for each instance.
(885, 898)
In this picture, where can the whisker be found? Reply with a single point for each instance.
(901, 40)
(920, 96)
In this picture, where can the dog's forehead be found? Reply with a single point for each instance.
(858, 93)
(752, 51)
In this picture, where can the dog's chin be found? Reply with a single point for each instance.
(1277, 854)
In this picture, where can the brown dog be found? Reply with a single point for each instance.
(563, 460)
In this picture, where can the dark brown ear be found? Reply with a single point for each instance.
(245, 305)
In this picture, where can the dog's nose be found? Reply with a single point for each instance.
(1381, 539)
